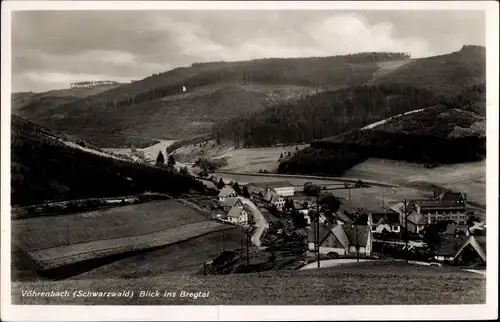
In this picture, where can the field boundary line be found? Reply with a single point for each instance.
(351, 180)
(117, 238)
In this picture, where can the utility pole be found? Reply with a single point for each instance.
(248, 257)
(317, 227)
(223, 239)
(406, 229)
(356, 216)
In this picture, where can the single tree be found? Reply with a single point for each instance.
(237, 188)
(184, 170)
(431, 238)
(244, 192)
(171, 161)
(160, 159)
(281, 156)
(289, 153)
(221, 184)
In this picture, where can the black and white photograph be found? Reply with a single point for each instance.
(273, 154)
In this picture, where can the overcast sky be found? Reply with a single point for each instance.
(50, 49)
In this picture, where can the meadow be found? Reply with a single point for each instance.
(368, 283)
(53, 231)
(465, 177)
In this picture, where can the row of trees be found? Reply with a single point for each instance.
(93, 83)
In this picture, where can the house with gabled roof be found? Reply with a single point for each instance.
(275, 199)
(231, 202)
(461, 249)
(416, 222)
(390, 222)
(227, 192)
(238, 215)
(341, 239)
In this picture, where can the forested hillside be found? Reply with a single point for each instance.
(442, 134)
(156, 107)
(44, 168)
(324, 114)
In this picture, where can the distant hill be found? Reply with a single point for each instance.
(156, 107)
(444, 74)
(47, 167)
(440, 134)
(34, 105)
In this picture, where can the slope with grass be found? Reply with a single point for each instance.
(445, 74)
(369, 283)
(46, 167)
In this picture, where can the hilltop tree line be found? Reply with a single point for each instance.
(316, 72)
(323, 115)
(93, 83)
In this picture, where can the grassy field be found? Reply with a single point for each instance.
(150, 152)
(368, 283)
(185, 256)
(75, 253)
(241, 160)
(465, 177)
(52, 231)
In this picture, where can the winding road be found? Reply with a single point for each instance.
(261, 224)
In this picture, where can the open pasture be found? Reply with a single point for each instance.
(464, 177)
(53, 231)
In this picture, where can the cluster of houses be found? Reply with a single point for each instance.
(350, 231)
(458, 236)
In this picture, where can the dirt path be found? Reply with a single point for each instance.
(262, 223)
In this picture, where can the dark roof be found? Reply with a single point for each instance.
(226, 192)
(363, 233)
(391, 218)
(450, 244)
(452, 229)
(481, 240)
(324, 230)
(231, 201)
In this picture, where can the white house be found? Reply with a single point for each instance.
(238, 215)
(227, 192)
(275, 199)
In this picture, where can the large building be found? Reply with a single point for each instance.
(282, 188)
(448, 206)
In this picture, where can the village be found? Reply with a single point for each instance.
(313, 224)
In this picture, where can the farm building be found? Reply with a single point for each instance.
(227, 192)
(461, 249)
(341, 239)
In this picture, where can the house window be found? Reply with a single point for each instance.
(462, 217)
(395, 228)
